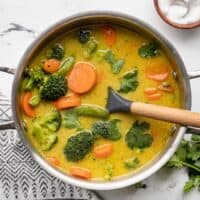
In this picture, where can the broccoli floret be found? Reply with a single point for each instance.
(44, 129)
(51, 121)
(54, 87)
(34, 78)
(44, 137)
(57, 51)
(90, 47)
(131, 163)
(78, 146)
(84, 35)
(108, 130)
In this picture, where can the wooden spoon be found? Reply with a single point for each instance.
(116, 103)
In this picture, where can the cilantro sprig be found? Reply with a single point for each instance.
(138, 135)
(188, 155)
(129, 81)
(149, 50)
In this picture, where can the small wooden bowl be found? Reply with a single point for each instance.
(174, 24)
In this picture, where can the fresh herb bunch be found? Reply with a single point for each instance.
(188, 155)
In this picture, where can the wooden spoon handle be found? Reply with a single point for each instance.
(174, 115)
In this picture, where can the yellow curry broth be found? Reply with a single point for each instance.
(126, 48)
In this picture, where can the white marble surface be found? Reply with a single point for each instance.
(34, 16)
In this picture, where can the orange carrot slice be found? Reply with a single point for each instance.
(51, 65)
(158, 77)
(109, 34)
(155, 96)
(80, 172)
(103, 151)
(158, 72)
(82, 77)
(69, 101)
(28, 109)
(54, 161)
(150, 90)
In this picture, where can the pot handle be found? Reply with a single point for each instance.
(194, 74)
(193, 130)
(7, 122)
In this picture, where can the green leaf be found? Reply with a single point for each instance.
(140, 185)
(149, 50)
(116, 64)
(138, 136)
(188, 185)
(110, 58)
(101, 54)
(195, 138)
(194, 181)
(178, 159)
(194, 148)
(70, 120)
(129, 82)
(188, 155)
(175, 162)
(90, 47)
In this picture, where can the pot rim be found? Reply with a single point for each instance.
(94, 185)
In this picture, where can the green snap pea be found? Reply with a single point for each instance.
(66, 65)
(35, 100)
(92, 111)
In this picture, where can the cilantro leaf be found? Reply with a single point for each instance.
(138, 136)
(149, 50)
(110, 58)
(194, 181)
(108, 130)
(116, 64)
(140, 185)
(195, 138)
(175, 161)
(129, 82)
(70, 120)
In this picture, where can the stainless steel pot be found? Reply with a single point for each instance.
(132, 24)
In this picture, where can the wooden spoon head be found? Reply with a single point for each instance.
(116, 103)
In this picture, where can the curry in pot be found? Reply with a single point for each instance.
(64, 93)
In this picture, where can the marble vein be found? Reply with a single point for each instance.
(17, 27)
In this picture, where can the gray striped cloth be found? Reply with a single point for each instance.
(21, 177)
